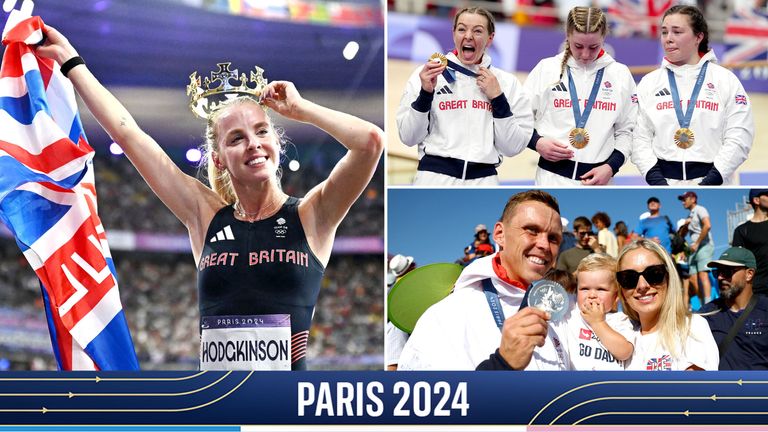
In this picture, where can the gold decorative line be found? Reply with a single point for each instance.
(183, 378)
(676, 413)
(714, 398)
(583, 386)
(71, 395)
(45, 410)
(686, 413)
(100, 379)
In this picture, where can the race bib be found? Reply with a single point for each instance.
(246, 342)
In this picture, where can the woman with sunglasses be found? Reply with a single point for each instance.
(669, 336)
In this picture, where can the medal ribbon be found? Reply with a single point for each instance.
(685, 121)
(492, 296)
(450, 75)
(493, 302)
(581, 118)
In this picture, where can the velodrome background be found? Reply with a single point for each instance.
(412, 39)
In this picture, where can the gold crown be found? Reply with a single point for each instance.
(205, 99)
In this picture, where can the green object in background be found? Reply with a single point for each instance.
(418, 290)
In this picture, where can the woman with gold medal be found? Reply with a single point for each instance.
(462, 112)
(695, 124)
(583, 105)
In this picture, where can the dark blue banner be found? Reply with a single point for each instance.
(380, 398)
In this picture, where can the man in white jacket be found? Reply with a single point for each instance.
(466, 331)
(463, 113)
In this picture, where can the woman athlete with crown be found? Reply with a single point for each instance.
(260, 253)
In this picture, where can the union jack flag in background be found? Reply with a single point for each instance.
(48, 201)
(746, 36)
(637, 17)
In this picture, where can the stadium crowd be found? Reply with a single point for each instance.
(123, 195)
(159, 293)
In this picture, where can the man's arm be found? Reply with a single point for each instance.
(706, 226)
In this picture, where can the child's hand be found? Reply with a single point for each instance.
(593, 312)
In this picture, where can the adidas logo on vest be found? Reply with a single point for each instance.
(559, 87)
(663, 92)
(224, 234)
(444, 90)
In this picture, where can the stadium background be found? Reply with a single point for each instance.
(144, 51)
(529, 30)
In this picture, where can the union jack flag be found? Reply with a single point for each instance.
(741, 99)
(48, 201)
(663, 363)
(746, 36)
(637, 17)
(634, 97)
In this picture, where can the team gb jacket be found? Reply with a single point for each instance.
(461, 123)
(722, 120)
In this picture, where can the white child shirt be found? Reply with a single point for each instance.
(585, 350)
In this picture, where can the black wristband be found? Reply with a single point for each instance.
(615, 161)
(71, 63)
(713, 178)
(655, 177)
(500, 107)
(424, 101)
(534, 139)
(494, 362)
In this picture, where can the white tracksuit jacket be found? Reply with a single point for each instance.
(460, 123)
(723, 129)
(459, 332)
(611, 121)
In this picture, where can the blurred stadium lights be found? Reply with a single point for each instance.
(294, 165)
(101, 5)
(115, 149)
(151, 47)
(352, 13)
(350, 51)
(194, 155)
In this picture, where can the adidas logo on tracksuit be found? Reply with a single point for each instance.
(445, 90)
(663, 92)
(224, 234)
(559, 87)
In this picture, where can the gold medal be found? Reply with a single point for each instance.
(684, 138)
(439, 58)
(578, 137)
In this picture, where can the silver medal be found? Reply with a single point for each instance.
(549, 296)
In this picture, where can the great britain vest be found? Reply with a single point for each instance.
(260, 268)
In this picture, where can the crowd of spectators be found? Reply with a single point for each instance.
(159, 293)
(349, 317)
(123, 197)
(159, 296)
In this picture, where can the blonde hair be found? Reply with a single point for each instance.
(674, 318)
(219, 179)
(583, 20)
(598, 262)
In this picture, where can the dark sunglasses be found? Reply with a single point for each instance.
(725, 272)
(654, 275)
